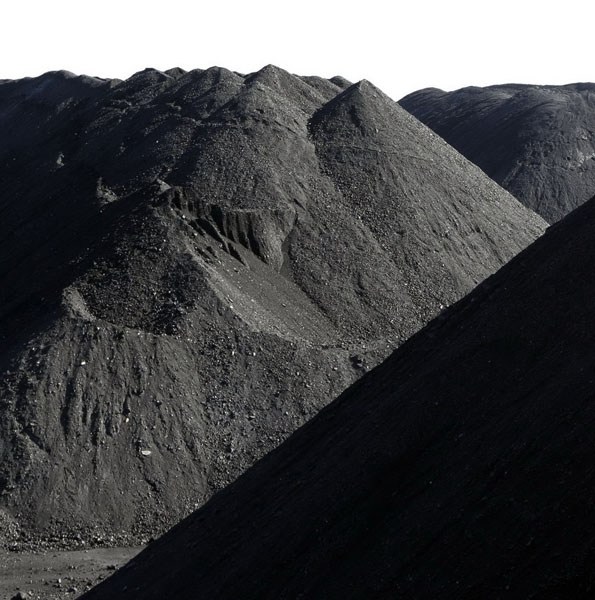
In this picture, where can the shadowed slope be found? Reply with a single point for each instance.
(459, 468)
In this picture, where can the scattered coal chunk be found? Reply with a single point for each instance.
(357, 361)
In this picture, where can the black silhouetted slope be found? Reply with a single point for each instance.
(538, 142)
(191, 263)
(461, 467)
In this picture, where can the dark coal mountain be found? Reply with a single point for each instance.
(538, 142)
(461, 467)
(192, 263)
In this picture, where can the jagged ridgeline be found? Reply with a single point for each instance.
(538, 142)
(194, 263)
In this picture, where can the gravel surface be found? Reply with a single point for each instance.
(57, 575)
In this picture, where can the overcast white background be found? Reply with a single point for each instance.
(398, 46)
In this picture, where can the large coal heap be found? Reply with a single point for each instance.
(535, 141)
(462, 467)
(192, 263)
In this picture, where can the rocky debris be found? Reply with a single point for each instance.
(57, 575)
(461, 467)
(186, 285)
(538, 142)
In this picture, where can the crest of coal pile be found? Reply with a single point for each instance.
(461, 467)
(538, 142)
(191, 263)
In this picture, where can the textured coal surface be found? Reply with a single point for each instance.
(56, 575)
(194, 263)
(538, 142)
(461, 467)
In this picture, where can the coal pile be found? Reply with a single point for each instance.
(193, 263)
(538, 142)
(461, 467)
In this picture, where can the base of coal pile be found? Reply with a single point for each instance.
(52, 575)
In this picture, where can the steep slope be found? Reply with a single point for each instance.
(538, 142)
(190, 267)
(462, 467)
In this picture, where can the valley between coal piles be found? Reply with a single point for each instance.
(193, 264)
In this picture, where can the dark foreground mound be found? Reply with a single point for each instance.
(462, 467)
(538, 142)
(192, 263)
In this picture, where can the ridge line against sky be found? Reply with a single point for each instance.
(400, 47)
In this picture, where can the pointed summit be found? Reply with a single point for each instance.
(175, 72)
(199, 93)
(385, 162)
(291, 87)
(362, 109)
(340, 81)
(270, 75)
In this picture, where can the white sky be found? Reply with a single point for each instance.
(399, 46)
